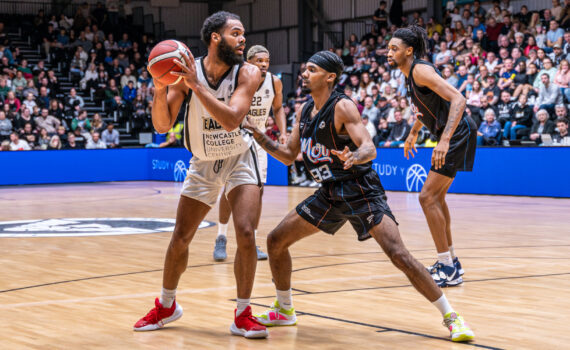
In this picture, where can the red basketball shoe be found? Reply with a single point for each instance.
(159, 316)
(246, 325)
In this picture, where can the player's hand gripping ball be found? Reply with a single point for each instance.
(161, 61)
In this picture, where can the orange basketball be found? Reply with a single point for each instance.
(161, 61)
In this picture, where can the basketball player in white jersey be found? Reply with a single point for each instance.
(269, 95)
(218, 89)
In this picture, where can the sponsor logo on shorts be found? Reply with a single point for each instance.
(74, 227)
(218, 164)
(307, 211)
(415, 177)
(370, 218)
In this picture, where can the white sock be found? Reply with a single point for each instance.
(167, 297)
(285, 299)
(452, 252)
(242, 304)
(443, 305)
(255, 234)
(445, 258)
(222, 229)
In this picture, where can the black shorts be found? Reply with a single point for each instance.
(361, 201)
(462, 146)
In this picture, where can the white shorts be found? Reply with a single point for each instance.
(262, 158)
(205, 178)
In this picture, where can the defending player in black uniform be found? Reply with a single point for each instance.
(441, 108)
(338, 151)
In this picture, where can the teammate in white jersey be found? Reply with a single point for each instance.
(218, 89)
(268, 95)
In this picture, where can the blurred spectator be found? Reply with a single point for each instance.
(548, 95)
(110, 136)
(25, 116)
(521, 120)
(81, 122)
(95, 142)
(48, 122)
(43, 139)
(561, 137)
(97, 124)
(381, 17)
(490, 130)
(5, 127)
(370, 111)
(18, 145)
(71, 144)
(30, 101)
(74, 100)
(542, 126)
(399, 132)
(12, 101)
(129, 92)
(55, 143)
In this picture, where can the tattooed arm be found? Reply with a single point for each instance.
(346, 116)
(425, 75)
(285, 153)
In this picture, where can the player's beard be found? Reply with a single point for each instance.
(305, 89)
(227, 54)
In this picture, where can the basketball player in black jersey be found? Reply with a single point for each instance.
(441, 108)
(338, 150)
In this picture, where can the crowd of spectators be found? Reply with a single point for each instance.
(36, 113)
(511, 66)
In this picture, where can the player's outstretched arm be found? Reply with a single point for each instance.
(347, 115)
(278, 111)
(229, 115)
(425, 75)
(285, 153)
(166, 104)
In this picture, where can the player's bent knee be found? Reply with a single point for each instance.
(427, 198)
(400, 258)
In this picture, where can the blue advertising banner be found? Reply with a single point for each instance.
(520, 171)
(166, 164)
(46, 167)
(171, 165)
(538, 171)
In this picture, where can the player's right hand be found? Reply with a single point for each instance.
(410, 146)
(248, 124)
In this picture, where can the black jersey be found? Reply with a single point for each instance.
(430, 108)
(319, 137)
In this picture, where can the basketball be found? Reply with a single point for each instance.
(161, 61)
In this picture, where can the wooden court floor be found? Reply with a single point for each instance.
(87, 292)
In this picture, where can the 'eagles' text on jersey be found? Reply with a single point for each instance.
(203, 135)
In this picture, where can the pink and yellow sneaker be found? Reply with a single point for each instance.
(277, 316)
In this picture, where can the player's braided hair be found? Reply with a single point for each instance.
(214, 24)
(414, 36)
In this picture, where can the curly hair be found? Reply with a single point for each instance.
(414, 36)
(214, 24)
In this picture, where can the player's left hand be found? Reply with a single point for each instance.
(439, 153)
(282, 139)
(347, 156)
(188, 72)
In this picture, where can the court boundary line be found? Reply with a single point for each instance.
(383, 329)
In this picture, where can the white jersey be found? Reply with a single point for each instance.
(203, 135)
(262, 102)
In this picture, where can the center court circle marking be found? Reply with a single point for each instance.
(81, 227)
